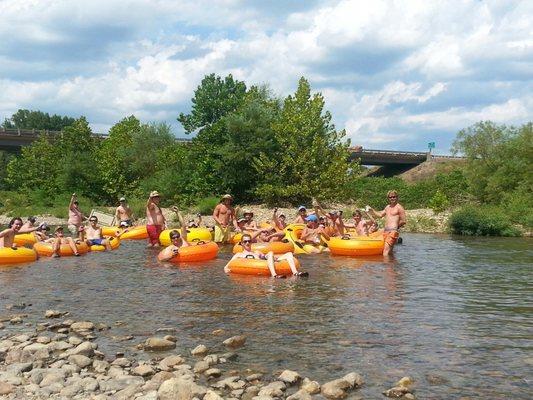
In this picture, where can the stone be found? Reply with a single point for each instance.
(158, 344)
(71, 390)
(120, 383)
(43, 339)
(6, 388)
(74, 340)
(53, 314)
(161, 377)
(200, 366)
(354, 379)
(15, 320)
(143, 370)
(180, 389)
(273, 389)
(90, 384)
(171, 338)
(235, 341)
(19, 368)
(406, 381)
(59, 346)
(128, 392)
(337, 388)
(212, 395)
(79, 360)
(51, 378)
(121, 362)
(211, 359)
(290, 377)
(114, 372)
(230, 356)
(311, 387)
(151, 395)
(254, 377)
(213, 373)
(300, 395)
(84, 349)
(170, 361)
(409, 396)
(34, 347)
(217, 332)
(82, 326)
(100, 366)
(20, 338)
(2, 326)
(199, 350)
(397, 392)
(225, 382)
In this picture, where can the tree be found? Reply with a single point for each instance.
(27, 119)
(313, 157)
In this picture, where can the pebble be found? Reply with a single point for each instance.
(79, 360)
(143, 370)
(6, 388)
(121, 362)
(199, 350)
(290, 377)
(200, 366)
(213, 373)
(82, 326)
(235, 341)
(158, 344)
(53, 314)
(170, 361)
(15, 320)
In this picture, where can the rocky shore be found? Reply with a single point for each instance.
(59, 358)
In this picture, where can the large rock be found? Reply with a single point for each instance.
(200, 367)
(180, 389)
(80, 361)
(311, 387)
(300, 395)
(168, 362)
(290, 377)
(337, 389)
(128, 392)
(199, 350)
(235, 341)
(84, 349)
(212, 395)
(53, 314)
(273, 389)
(100, 366)
(158, 344)
(121, 382)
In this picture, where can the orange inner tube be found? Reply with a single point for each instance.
(9, 256)
(25, 239)
(197, 251)
(356, 246)
(275, 247)
(253, 266)
(46, 249)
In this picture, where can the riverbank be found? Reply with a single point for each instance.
(422, 220)
(59, 358)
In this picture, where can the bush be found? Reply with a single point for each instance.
(439, 202)
(206, 205)
(481, 221)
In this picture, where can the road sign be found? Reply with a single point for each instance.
(431, 145)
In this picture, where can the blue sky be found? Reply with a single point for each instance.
(395, 74)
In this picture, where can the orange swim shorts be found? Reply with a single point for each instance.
(391, 237)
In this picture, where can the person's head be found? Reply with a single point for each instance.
(175, 237)
(15, 223)
(32, 219)
(302, 210)
(357, 215)
(227, 199)
(93, 221)
(155, 196)
(59, 231)
(312, 221)
(76, 203)
(246, 241)
(282, 217)
(248, 215)
(333, 215)
(122, 201)
(392, 196)
(240, 222)
(192, 224)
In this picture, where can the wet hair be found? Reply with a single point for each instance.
(357, 213)
(393, 192)
(174, 233)
(32, 219)
(13, 221)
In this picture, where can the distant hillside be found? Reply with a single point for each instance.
(430, 168)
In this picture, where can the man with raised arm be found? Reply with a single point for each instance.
(395, 218)
(224, 216)
(75, 216)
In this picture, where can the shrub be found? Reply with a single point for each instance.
(439, 202)
(206, 205)
(481, 221)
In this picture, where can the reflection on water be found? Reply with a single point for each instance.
(453, 313)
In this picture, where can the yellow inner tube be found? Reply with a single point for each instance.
(193, 235)
(25, 239)
(9, 256)
(293, 233)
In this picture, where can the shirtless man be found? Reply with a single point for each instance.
(395, 218)
(224, 216)
(267, 235)
(155, 220)
(312, 232)
(302, 215)
(249, 224)
(7, 236)
(336, 223)
(279, 221)
(246, 243)
(359, 224)
(59, 240)
(93, 234)
(177, 241)
(123, 214)
(75, 216)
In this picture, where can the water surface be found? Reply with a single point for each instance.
(453, 313)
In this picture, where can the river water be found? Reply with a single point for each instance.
(453, 313)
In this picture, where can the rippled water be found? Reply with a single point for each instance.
(453, 313)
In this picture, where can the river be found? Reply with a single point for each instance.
(453, 313)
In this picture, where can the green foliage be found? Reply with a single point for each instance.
(26, 119)
(206, 205)
(439, 202)
(481, 221)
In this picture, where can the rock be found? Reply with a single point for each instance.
(70, 390)
(74, 340)
(235, 341)
(2, 326)
(354, 379)
(43, 339)
(180, 389)
(100, 366)
(158, 344)
(143, 370)
(199, 350)
(213, 373)
(171, 338)
(409, 396)
(52, 377)
(6, 388)
(311, 387)
(226, 383)
(218, 332)
(273, 389)
(151, 395)
(80, 361)
(230, 356)
(300, 395)
(168, 362)
(121, 362)
(406, 381)
(254, 377)
(200, 367)
(161, 377)
(84, 349)
(115, 372)
(120, 383)
(289, 376)
(337, 388)
(53, 314)
(20, 338)
(128, 392)
(89, 384)
(211, 359)
(397, 392)
(212, 395)
(82, 326)
(15, 320)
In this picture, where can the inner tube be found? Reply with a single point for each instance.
(46, 249)
(138, 232)
(113, 241)
(293, 233)
(193, 234)
(197, 251)
(356, 246)
(25, 239)
(253, 266)
(285, 246)
(18, 255)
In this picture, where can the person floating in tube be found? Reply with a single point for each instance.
(177, 241)
(246, 243)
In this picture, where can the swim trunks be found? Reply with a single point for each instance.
(222, 235)
(153, 233)
(391, 237)
(95, 242)
(126, 223)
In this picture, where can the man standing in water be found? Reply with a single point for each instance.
(75, 216)
(395, 218)
(123, 214)
(224, 216)
(155, 220)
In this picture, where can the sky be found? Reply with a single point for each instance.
(394, 74)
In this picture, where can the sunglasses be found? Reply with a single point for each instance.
(393, 197)
(247, 241)
(93, 220)
(174, 237)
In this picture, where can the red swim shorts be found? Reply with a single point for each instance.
(153, 233)
(391, 237)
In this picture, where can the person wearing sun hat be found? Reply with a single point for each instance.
(155, 220)
(249, 224)
(225, 221)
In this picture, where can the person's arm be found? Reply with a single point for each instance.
(72, 200)
(305, 234)
(377, 214)
(233, 218)
(199, 219)
(5, 232)
(403, 219)
(216, 214)
(117, 217)
(277, 234)
(275, 219)
(235, 256)
(322, 232)
(173, 253)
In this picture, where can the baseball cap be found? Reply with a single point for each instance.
(301, 208)
(123, 199)
(312, 218)
(227, 196)
(154, 193)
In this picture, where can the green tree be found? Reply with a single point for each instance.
(29, 119)
(313, 160)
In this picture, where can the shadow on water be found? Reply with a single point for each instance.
(454, 313)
